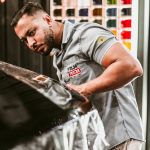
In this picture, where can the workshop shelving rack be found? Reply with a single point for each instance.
(120, 16)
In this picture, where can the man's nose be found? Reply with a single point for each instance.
(31, 42)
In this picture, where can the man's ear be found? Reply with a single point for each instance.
(48, 19)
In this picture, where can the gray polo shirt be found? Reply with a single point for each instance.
(83, 48)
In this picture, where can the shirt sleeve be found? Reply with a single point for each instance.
(95, 42)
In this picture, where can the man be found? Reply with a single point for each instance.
(90, 60)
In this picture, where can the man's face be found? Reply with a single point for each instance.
(35, 32)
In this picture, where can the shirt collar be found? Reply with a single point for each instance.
(68, 27)
(67, 32)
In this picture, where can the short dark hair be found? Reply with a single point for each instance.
(29, 8)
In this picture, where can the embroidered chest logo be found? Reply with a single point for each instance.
(73, 71)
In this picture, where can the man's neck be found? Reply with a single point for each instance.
(59, 34)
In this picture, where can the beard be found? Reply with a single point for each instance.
(50, 42)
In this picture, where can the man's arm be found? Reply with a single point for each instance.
(120, 68)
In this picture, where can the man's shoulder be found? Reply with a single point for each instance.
(86, 25)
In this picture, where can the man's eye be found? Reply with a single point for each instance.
(31, 33)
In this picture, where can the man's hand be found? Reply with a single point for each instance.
(81, 89)
(86, 106)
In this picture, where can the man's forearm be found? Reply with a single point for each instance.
(116, 75)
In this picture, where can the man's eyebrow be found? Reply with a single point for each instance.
(23, 38)
(28, 31)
